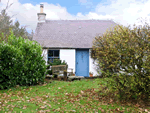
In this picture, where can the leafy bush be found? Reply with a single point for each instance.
(58, 62)
(21, 62)
(49, 72)
(124, 53)
(10, 63)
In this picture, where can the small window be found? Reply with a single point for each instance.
(53, 54)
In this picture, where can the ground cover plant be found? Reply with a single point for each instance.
(60, 96)
(124, 54)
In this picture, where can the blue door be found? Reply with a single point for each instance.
(82, 62)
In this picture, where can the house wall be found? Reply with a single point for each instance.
(69, 56)
(44, 54)
(92, 67)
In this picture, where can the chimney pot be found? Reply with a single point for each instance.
(41, 5)
(41, 8)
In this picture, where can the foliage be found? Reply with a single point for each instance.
(124, 53)
(10, 64)
(49, 72)
(21, 62)
(55, 62)
(91, 73)
(21, 31)
(6, 24)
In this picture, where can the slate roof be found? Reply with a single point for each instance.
(70, 33)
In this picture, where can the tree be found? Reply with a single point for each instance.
(124, 53)
(21, 31)
(6, 24)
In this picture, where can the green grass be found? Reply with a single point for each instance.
(60, 96)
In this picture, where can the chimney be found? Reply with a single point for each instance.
(41, 8)
(41, 15)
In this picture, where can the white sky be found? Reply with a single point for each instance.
(121, 11)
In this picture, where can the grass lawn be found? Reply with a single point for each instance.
(60, 96)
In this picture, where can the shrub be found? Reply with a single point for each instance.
(49, 72)
(21, 62)
(58, 62)
(124, 53)
(10, 63)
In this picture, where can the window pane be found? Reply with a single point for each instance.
(50, 53)
(56, 53)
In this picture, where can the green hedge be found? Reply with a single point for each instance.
(21, 62)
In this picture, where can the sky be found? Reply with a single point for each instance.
(125, 12)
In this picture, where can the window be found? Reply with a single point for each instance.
(53, 54)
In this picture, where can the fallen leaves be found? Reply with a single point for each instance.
(32, 99)
(44, 84)
(59, 98)
(82, 92)
(42, 107)
(24, 107)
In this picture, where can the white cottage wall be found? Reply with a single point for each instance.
(69, 56)
(44, 54)
(92, 67)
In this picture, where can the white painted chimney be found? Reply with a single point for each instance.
(41, 15)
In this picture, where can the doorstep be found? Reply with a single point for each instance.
(75, 77)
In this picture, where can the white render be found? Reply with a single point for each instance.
(92, 66)
(69, 56)
(44, 54)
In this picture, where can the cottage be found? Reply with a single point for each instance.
(70, 40)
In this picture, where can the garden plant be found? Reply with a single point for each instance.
(123, 53)
(21, 62)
